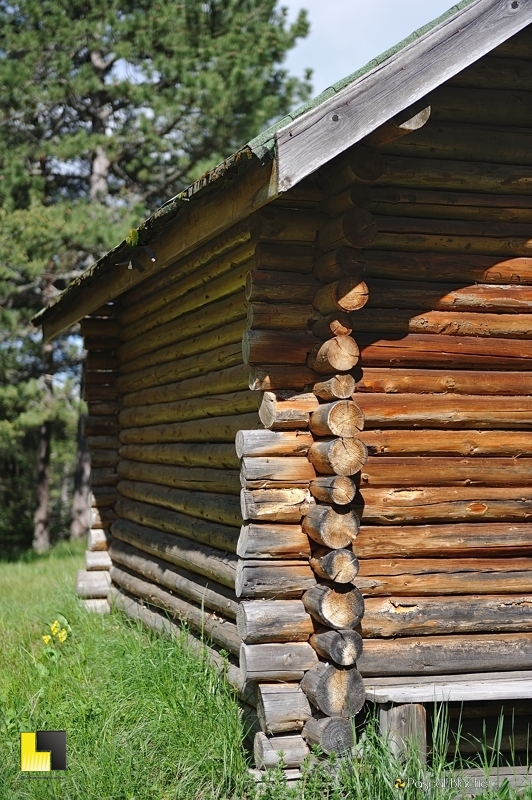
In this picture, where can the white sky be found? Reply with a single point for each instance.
(346, 34)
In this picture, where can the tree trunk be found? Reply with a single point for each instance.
(41, 531)
(80, 500)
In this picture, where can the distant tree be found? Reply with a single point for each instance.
(107, 109)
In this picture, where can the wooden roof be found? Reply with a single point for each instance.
(295, 147)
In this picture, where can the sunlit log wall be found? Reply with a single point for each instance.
(325, 441)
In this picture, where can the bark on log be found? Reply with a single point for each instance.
(448, 443)
(212, 595)
(284, 257)
(193, 556)
(433, 381)
(195, 332)
(268, 286)
(277, 347)
(340, 566)
(340, 263)
(346, 294)
(441, 352)
(229, 355)
(261, 621)
(336, 324)
(330, 528)
(265, 540)
(440, 655)
(226, 333)
(445, 411)
(342, 647)
(336, 692)
(286, 410)
(341, 418)
(217, 456)
(292, 471)
(416, 471)
(192, 478)
(418, 616)
(282, 316)
(357, 196)
(335, 489)
(267, 751)
(362, 164)
(338, 608)
(472, 539)
(259, 443)
(448, 323)
(271, 377)
(357, 227)
(222, 537)
(223, 633)
(282, 708)
(213, 429)
(335, 388)
(226, 380)
(275, 505)
(219, 508)
(339, 354)
(273, 579)
(338, 456)
(276, 662)
(196, 408)
(330, 734)
(421, 577)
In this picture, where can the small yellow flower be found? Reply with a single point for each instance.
(47, 639)
(55, 627)
(62, 635)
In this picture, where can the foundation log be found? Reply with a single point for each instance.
(257, 444)
(335, 489)
(342, 647)
(339, 607)
(272, 540)
(261, 621)
(286, 410)
(337, 354)
(282, 708)
(335, 388)
(193, 556)
(338, 456)
(346, 294)
(275, 505)
(273, 579)
(338, 692)
(276, 662)
(267, 751)
(341, 418)
(330, 734)
(340, 566)
(331, 528)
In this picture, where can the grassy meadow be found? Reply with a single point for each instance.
(147, 719)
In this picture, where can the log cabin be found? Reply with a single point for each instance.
(310, 398)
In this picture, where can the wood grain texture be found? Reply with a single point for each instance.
(343, 647)
(263, 579)
(335, 606)
(218, 382)
(262, 621)
(213, 429)
(337, 691)
(192, 478)
(273, 540)
(219, 508)
(330, 734)
(276, 662)
(430, 442)
(445, 381)
(337, 123)
(291, 471)
(267, 751)
(275, 505)
(282, 707)
(338, 456)
(218, 456)
(259, 443)
(271, 377)
(448, 323)
(426, 471)
(287, 410)
(330, 527)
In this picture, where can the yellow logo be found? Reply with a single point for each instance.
(42, 751)
(399, 783)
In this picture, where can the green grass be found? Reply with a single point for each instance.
(146, 718)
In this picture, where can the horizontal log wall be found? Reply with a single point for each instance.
(101, 332)
(441, 240)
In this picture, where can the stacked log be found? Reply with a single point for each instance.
(101, 331)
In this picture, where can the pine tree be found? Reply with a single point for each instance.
(107, 109)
